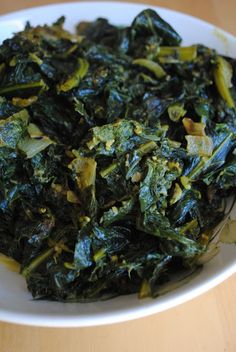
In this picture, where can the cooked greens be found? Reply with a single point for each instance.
(117, 155)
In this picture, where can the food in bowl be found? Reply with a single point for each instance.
(117, 154)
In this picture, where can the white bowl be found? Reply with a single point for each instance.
(16, 304)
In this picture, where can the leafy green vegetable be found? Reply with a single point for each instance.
(151, 66)
(174, 54)
(176, 111)
(75, 78)
(223, 75)
(117, 154)
(149, 23)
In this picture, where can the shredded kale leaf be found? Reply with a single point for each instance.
(117, 155)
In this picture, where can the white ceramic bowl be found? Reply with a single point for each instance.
(16, 304)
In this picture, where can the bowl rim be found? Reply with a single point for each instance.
(11, 15)
(92, 320)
